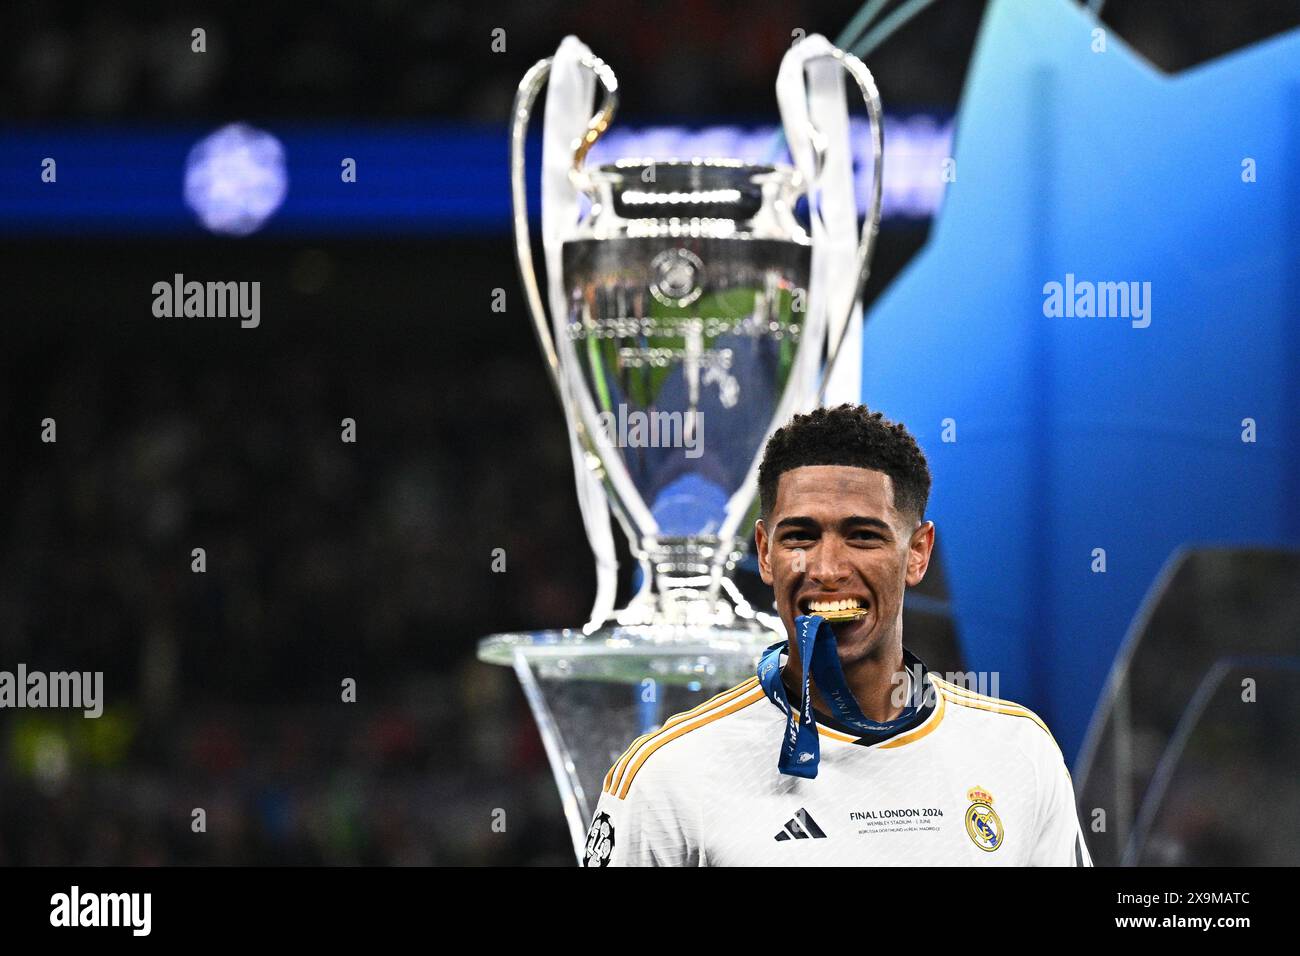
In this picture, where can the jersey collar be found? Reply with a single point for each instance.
(925, 705)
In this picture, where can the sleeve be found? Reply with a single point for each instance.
(644, 828)
(1059, 840)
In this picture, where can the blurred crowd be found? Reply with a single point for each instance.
(407, 58)
(324, 561)
(443, 58)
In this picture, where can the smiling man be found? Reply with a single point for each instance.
(843, 749)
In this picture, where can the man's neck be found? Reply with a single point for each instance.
(873, 681)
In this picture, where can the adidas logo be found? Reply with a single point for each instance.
(801, 827)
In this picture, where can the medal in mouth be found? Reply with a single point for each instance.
(848, 609)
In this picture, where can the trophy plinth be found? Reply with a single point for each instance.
(592, 694)
(633, 653)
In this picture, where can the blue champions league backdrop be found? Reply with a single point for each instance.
(105, 189)
(1056, 437)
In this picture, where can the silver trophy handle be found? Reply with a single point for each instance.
(871, 224)
(525, 97)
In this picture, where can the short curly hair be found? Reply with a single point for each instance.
(847, 435)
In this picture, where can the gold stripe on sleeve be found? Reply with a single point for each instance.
(755, 694)
(614, 778)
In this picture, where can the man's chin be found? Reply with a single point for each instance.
(854, 639)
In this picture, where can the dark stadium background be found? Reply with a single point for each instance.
(328, 560)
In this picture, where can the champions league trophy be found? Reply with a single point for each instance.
(690, 315)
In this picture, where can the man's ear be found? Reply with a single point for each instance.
(919, 550)
(760, 548)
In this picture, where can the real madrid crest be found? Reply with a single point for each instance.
(982, 822)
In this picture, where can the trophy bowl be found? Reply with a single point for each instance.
(684, 287)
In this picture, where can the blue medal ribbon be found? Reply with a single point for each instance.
(819, 656)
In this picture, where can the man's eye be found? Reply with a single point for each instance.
(870, 535)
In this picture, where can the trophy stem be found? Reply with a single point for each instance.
(689, 582)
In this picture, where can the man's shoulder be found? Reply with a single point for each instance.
(996, 719)
(688, 744)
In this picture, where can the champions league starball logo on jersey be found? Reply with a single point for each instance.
(600, 841)
(982, 822)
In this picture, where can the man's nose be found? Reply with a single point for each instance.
(828, 565)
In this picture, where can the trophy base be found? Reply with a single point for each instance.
(631, 653)
(593, 694)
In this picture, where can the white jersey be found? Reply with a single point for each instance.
(971, 781)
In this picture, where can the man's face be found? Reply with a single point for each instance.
(835, 534)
